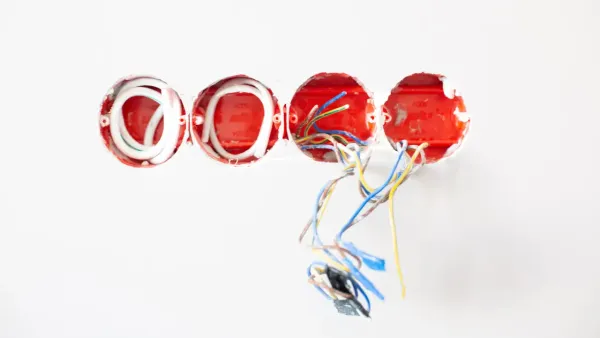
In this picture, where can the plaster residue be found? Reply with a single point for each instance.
(401, 114)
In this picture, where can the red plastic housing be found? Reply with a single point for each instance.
(238, 118)
(418, 110)
(358, 120)
(137, 113)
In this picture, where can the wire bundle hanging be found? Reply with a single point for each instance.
(338, 274)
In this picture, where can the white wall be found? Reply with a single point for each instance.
(499, 241)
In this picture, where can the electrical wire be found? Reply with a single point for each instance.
(352, 159)
(240, 85)
(374, 192)
(340, 156)
(384, 195)
(169, 110)
(324, 115)
(340, 132)
(308, 118)
(360, 276)
(343, 252)
(322, 203)
(391, 189)
(333, 293)
(353, 162)
(391, 214)
(318, 113)
(316, 265)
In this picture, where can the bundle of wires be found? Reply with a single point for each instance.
(336, 136)
(342, 255)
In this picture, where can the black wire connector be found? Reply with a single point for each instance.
(343, 282)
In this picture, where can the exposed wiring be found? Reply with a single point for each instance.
(317, 113)
(342, 252)
(322, 199)
(340, 156)
(364, 294)
(391, 214)
(384, 194)
(240, 85)
(169, 110)
(305, 122)
(336, 264)
(389, 193)
(360, 276)
(374, 192)
(319, 287)
(322, 116)
(353, 160)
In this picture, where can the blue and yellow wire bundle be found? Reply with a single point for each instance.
(338, 274)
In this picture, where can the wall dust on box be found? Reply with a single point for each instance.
(331, 118)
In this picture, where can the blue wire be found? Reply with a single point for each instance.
(309, 272)
(317, 146)
(364, 294)
(360, 277)
(314, 226)
(323, 146)
(353, 270)
(341, 132)
(328, 103)
(366, 192)
(371, 195)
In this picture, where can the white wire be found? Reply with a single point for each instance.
(169, 110)
(259, 148)
(423, 160)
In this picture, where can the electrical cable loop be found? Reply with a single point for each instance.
(240, 85)
(169, 110)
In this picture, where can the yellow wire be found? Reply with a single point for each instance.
(322, 211)
(396, 181)
(331, 262)
(391, 214)
(320, 251)
(361, 176)
(325, 203)
(335, 136)
(339, 138)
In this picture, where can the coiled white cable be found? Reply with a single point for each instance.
(242, 85)
(169, 109)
